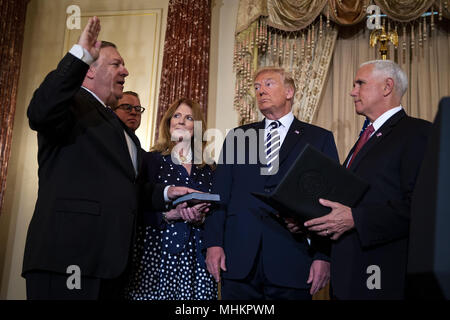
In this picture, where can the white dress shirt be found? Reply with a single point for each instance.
(385, 117)
(283, 129)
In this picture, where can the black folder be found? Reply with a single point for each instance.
(196, 198)
(312, 176)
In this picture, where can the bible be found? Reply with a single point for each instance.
(196, 197)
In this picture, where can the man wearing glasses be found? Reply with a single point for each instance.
(129, 110)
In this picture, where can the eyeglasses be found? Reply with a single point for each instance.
(129, 107)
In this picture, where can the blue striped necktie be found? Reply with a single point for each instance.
(272, 145)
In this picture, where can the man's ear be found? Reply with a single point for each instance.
(388, 86)
(289, 93)
(91, 72)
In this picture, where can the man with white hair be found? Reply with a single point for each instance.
(369, 253)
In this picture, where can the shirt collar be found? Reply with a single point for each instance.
(95, 96)
(385, 117)
(285, 120)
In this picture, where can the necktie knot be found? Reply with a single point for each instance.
(274, 125)
(369, 130)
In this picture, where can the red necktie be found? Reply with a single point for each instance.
(361, 142)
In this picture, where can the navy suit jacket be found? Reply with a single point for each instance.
(243, 224)
(390, 162)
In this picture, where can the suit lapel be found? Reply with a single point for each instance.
(293, 136)
(107, 114)
(377, 136)
(349, 154)
(112, 120)
(260, 134)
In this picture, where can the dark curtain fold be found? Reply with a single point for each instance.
(186, 54)
(12, 25)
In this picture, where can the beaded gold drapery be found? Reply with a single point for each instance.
(306, 54)
(185, 69)
(12, 24)
(289, 28)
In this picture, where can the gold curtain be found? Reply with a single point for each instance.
(248, 12)
(404, 10)
(284, 28)
(306, 54)
(12, 24)
(444, 8)
(185, 69)
(292, 15)
(310, 75)
(346, 12)
(427, 68)
(291, 34)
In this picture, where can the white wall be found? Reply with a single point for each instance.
(221, 113)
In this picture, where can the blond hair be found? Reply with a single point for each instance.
(164, 145)
(287, 77)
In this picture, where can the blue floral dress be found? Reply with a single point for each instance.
(168, 260)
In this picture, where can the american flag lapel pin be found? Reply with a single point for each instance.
(297, 132)
(379, 134)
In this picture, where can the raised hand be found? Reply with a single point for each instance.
(88, 38)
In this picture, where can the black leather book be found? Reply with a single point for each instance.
(312, 176)
(196, 197)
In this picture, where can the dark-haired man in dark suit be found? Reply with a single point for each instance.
(81, 231)
(369, 254)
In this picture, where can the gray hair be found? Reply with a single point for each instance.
(391, 70)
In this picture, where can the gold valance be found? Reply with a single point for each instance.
(404, 10)
(249, 11)
(346, 12)
(293, 15)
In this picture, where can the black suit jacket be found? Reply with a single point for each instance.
(243, 224)
(88, 194)
(390, 162)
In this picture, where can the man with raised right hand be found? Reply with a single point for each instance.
(80, 235)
